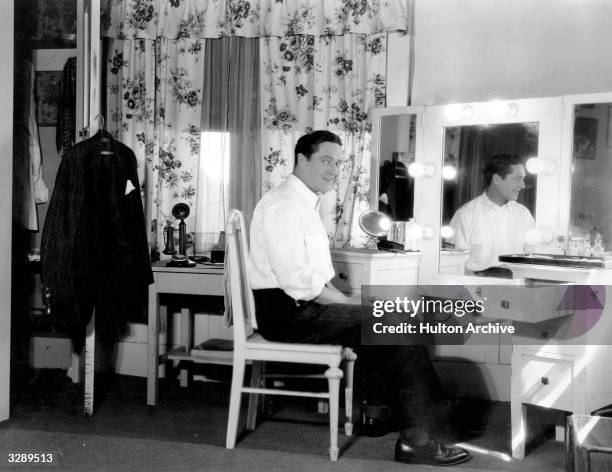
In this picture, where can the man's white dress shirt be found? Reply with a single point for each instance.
(289, 245)
(498, 229)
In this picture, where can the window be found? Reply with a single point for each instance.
(213, 180)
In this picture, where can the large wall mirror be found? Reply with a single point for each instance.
(394, 147)
(468, 149)
(590, 213)
(475, 225)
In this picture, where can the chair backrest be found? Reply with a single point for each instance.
(236, 261)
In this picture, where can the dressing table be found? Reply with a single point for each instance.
(567, 191)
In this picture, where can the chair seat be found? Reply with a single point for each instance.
(257, 343)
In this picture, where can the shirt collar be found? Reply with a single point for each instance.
(300, 187)
(491, 204)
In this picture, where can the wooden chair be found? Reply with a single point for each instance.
(250, 347)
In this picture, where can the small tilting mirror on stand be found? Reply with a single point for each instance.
(376, 225)
(399, 236)
(180, 211)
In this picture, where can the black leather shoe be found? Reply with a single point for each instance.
(433, 453)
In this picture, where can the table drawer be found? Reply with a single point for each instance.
(189, 284)
(349, 276)
(547, 382)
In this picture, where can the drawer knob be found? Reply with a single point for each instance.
(343, 276)
(545, 380)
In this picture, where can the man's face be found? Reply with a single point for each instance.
(319, 173)
(510, 186)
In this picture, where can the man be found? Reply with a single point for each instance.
(494, 223)
(290, 272)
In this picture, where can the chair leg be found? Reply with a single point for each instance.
(333, 374)
(254, 397)
(350, 358)
(234, 406)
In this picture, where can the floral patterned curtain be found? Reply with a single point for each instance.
(154, 106)
(322, 65)
(326, 82)
(172, 19)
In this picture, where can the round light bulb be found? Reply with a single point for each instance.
(385, 224)
(453, 112)
(500, 108)
(537, 165)
(416, 170)
(497, 108)
(427, 232)
(447, 232)
(468, 112)
(511, 110)
(449, 172)
(533, 165)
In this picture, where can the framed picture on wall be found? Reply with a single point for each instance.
(585, 138)
(55, 23)
(47, 83)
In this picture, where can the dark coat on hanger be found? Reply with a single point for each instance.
(94, 249)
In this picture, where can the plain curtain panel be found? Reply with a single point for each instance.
(230, 102)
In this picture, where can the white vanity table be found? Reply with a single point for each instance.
(569, 194)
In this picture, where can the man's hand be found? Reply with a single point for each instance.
(331, 294)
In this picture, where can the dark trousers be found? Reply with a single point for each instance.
(400, 375)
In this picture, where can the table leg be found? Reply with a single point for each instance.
(517, 410)
(186, 343)
(153, 346)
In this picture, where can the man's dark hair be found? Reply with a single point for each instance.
(309, 143)
(500, 165)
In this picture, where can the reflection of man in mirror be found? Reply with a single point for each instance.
(494, 223)
(395, 189)
(291, 272)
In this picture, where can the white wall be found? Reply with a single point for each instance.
(6, 178)
(476, 50)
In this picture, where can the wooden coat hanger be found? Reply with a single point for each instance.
(105, 138)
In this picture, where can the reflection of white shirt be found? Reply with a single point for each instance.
(289, 245)
(498, 229)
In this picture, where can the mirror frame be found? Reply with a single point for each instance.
(546, 111)
(567, 148)
(377, 115)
